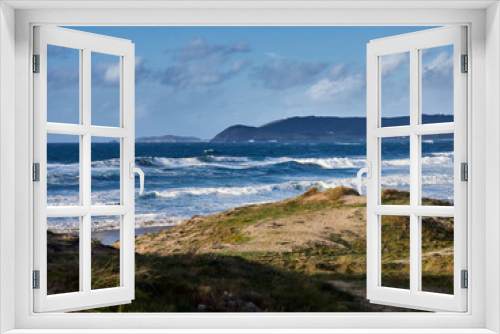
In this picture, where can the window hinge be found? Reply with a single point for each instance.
(36, 63)
(464, 171)
(36, 279)
(465, 279)
(36, 172)
(465, 64)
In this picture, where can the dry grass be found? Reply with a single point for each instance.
(307, 253)
(63, 264)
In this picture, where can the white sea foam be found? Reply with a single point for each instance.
(228, 162)
(59, 199)
(325, 163)
(111, 164)
(291, 186)
(298, 187)
(400, 181)
(213, 199)
(444, 159)
(245, 163)
(157, 219)
(437, 168)
(349, 143)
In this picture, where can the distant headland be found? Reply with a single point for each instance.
(297, 129)
(313, 129)
(170, 139)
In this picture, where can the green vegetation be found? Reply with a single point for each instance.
(437, 253)
(305, 254)
(63, 264)
(227, 228)
(221, 283)
(398, 197)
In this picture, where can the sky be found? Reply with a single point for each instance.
(197, 81)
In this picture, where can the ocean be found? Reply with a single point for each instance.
(187, 179)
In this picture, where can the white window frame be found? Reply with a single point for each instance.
(413, 43)
(483, 123)
(86, 44)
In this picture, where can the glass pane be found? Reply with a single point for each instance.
(105, 252)
(63, 85)
(396, 251)
(437, 84)
(395, 89)
(105, 171)
(437, 169)
(63, 255)
(105, 104)
(395, 171)
(63, 170)
(437, 254)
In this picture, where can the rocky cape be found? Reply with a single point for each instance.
(312, 129)
(169, 139)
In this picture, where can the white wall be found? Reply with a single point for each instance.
(492, 149)
(479, 121)
(7, 160)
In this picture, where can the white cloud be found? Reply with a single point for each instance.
(392, 62)
(328, 89)
(62, 77)
(273, 55)
(240, 46)
(238, 65)
(139, 61)
(278, 74)
(112, 73)
(437, 74)
(443, 63)
(199, 64)
(183, 74)
(200, 49)
(337, 71)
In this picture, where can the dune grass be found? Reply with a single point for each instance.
(238, 280)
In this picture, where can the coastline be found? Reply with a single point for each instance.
(303, 254)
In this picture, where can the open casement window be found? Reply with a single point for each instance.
(68, 274)
(416, 236)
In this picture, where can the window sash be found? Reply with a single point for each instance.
(86, 297)
(412, 43)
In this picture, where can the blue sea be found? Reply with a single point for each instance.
(187, 179)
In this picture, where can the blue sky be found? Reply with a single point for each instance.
(197, 81)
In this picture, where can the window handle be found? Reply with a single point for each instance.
(368, 171)
(134, 170)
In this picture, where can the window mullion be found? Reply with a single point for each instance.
(420, 126)
(82, 200)
(414, 171)
(85, 178)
